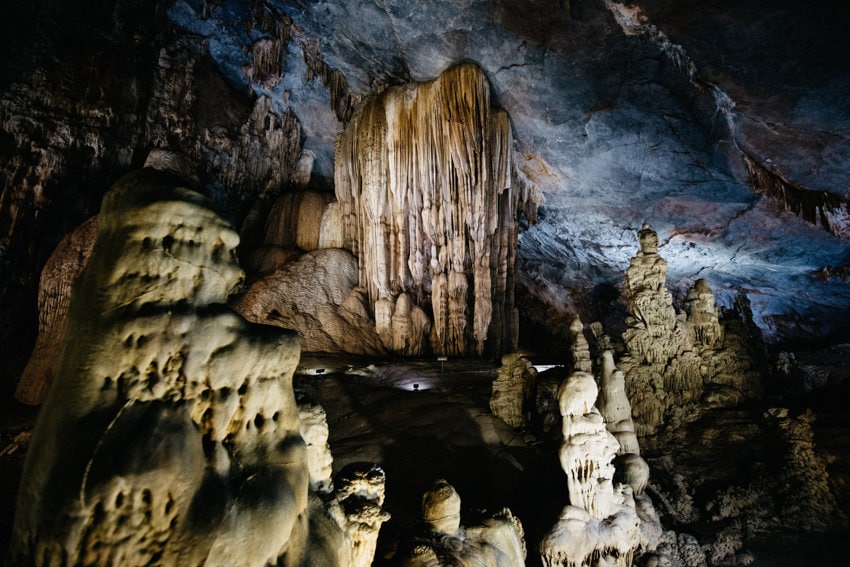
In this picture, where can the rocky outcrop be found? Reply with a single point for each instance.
(317, 295)
(171, 434)
(423, 176)
(498, 541)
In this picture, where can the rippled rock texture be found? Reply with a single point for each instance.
(172, 434)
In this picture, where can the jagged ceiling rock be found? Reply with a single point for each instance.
(622, 115)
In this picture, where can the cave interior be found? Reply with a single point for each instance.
(421, 235)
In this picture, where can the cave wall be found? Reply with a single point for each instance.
(87, 91)
(73, 97)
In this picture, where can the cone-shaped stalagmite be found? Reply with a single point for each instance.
(600, 526)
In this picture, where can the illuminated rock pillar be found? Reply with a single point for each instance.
(424, 180)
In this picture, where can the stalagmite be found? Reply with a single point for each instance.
(497, 541)
(54, 295)
(512, 390)
(360, 490)
(588, 449)
(674, 360)
(424, 181)
(614, 405)
(314, 430)
(171, 435)
(650, 335)
(601, 524)
(579, 347)
(805, 479)
(703, 317)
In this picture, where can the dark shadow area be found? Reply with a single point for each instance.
(443, 432)
(16, 426)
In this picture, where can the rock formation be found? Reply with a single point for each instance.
(54, 295)
(804, 483)
(303, 221)
(511, 400)
(703, 317)
(423, 176)
(579, 347)
(613, 404)
(360, 490)
(316, 295)
(601, 524)
(498, 541)
(313, 428)
(171, 434)
(354, 500)
(651, 336)
(675, 360)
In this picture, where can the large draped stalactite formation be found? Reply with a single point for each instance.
(424, 177)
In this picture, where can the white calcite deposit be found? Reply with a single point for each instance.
(603, 524)
(171, 435)
(424, 178)
(497, 541)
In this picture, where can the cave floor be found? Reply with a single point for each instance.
(429, 419)
(426, 420)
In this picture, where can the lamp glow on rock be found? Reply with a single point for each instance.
(498, 541)
(601, 524)
(171, 435)
(424, 179)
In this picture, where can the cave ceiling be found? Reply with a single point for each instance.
(622, 115)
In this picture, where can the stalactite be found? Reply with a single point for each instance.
(820, 208)
(343, 101)
(304, 220)
(424, 180)
(268, 54)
